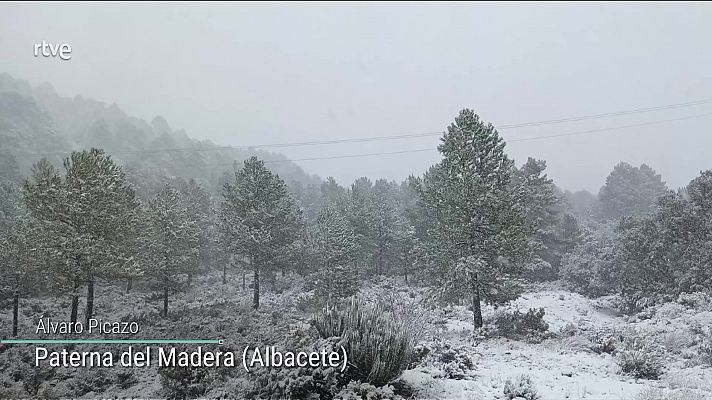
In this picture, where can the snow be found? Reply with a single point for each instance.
(561, 367)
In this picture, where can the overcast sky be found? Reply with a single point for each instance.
(268, 73)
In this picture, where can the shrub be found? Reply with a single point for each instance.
(184, 382)
(697, 300)
(91, 380)
(299, 382)
(675, 342)
(521, 387)
(666, 394)
(529, 326)
(588, 269)
(356, 390)
(705, 348)
(604, 344)
(378, 343)
(126, 378)
(569, 330)
(452, 360)
(639, 358)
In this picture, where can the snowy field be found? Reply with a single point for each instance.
(561, 366)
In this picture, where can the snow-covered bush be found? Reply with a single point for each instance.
(675, 342)
(452, 360)
(588, 269)
(125, 378)
(569, 329)
(20, 375)
(184, 382)
(356, 390)
(91, 380)
(521, 387)
(666, 394)
(529, 326)
(670, 310)
(705, 348)
(639, 358)
(379, 343)
(697, 300)
(605, 344)
(299, 382)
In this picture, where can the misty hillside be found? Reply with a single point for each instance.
(37, 122)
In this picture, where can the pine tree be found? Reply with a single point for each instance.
(406, 244)
(198, 202)
(630, 191)
(384, 228)
(91, 213)
(540, 201)
(478, 221)
(334, 194)
(259, 219)
(362, 218)
(336, 246)
(174, 240)
(19, 263)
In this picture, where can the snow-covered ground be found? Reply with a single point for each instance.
(562, 366)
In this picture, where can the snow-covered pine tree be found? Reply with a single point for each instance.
(542, 215)
(630, 191)
(668, 252)
(199, 205)
(336, 246)
(173, 241)
(92, 214)
(334, 194)
(478, 224)
(259, 219)
(405, 245)
(361, 214)
(384, 229)
(19, 263)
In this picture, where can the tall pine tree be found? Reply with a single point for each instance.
(259, 219)
(174, 240)
(92, 214)
(478, 222)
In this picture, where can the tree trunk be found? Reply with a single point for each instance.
(256, 288)
(15, 307)
(75, 304)
(90, 300)
(476, 306)
(405, 271)
(244, 283)
(165, 298)
(190, 279)
(129, 285)
(380, 258)
(224, 281)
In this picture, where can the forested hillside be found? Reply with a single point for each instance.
(36, 122)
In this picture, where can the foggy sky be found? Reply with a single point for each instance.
(242, 74)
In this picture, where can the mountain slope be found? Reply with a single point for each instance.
(36, 122)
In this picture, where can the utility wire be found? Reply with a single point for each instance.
(527, 139)
(605, 115)
(403, 136)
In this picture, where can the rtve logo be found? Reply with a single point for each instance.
(61, 50)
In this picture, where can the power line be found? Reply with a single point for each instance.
(351, 155)
(533, 138)
(605, 115)
(612, 128)
(395, 137)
